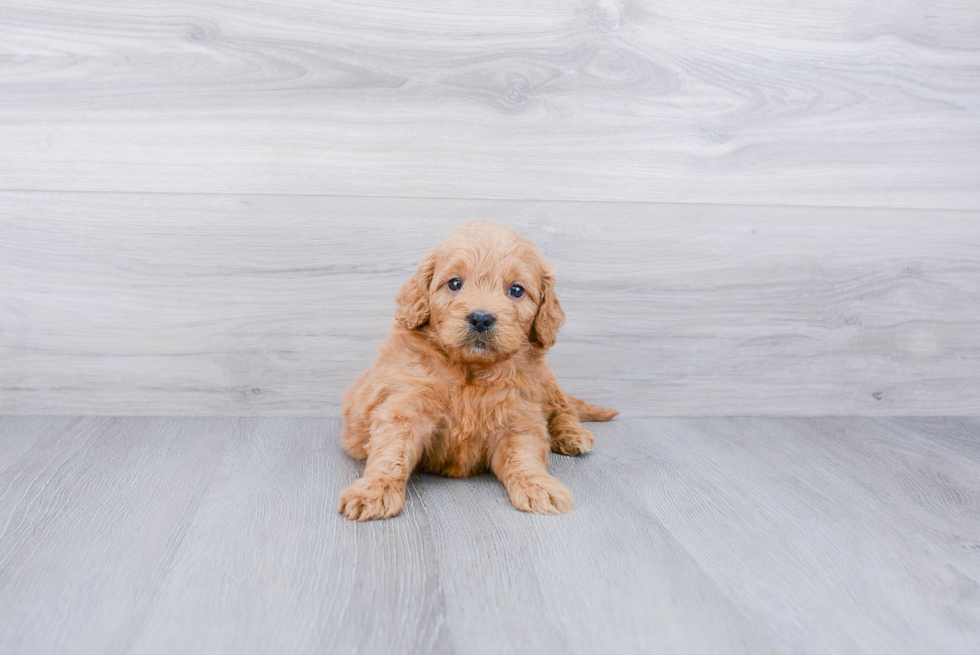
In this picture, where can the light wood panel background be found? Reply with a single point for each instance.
(846, 102)
(245, 305)
(690, 536)
(206, 207)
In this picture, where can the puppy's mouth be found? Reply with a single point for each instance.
(482, 343)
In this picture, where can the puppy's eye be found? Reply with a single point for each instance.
(516, 291)
(455, 284)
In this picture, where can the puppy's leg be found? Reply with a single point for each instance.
(568, 435)
(520, 461)
(395, 448)
(357, 417)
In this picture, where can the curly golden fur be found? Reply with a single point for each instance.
(461, 384)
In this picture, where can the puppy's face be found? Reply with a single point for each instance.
(483, 299)
(484, 293)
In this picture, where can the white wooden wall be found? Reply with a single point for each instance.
(765, 207)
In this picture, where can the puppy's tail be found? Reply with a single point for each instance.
(587, 412)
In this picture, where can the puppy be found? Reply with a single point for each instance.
(461, 383)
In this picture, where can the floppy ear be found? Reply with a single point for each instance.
(413, 300)
(550, 315)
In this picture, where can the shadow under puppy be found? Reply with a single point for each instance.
(461, 383)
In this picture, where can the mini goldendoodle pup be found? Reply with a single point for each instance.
(461, 383)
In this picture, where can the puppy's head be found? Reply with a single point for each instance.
(485, 292)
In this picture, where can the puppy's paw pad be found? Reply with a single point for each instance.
(572, 441)
(542, 495)
(368, 500)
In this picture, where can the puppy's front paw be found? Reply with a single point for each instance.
(572, 440)
(541, 494)
(366, 500)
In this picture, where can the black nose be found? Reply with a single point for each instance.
(481, 321)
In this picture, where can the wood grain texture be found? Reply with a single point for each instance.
(92, 513)
(845, 508)
(271, 548)
(163, 535)
(848, 102)
(270, 305)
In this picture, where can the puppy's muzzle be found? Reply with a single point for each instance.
(480, 322)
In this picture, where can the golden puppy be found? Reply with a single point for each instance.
(461, 383)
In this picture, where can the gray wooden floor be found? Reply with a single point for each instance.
(220, 535)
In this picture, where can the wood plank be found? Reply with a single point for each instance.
(606, 578)
(92, 512)
(846, 103)
(266, 564)
(460, 571)
(810, 523)
(270, 566)
(957, 435)
(163, 535)
(270, 305)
